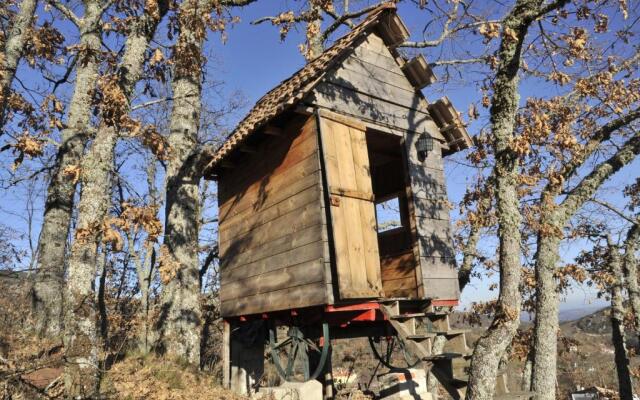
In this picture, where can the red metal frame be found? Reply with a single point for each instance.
(335, 315)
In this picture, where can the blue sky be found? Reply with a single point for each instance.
(253, 60)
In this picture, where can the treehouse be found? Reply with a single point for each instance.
(331, 192)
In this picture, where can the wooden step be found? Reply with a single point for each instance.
(421, 336)
(451, 332)
(407, 316)
(443, 357)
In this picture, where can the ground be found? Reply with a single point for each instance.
(30, 368)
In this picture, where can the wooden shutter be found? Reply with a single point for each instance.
(351, 206)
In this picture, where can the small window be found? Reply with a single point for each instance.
(388, 215)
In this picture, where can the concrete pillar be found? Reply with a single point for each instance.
(246, 357)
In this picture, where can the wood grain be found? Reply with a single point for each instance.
(272, 229)
(353, 219)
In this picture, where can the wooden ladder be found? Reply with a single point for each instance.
(449, 367)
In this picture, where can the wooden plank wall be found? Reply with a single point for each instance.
(430, 205)
(370, 86)
(273, 234)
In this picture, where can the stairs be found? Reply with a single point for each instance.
(451, 365)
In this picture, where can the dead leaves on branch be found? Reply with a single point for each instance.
(113, 106)
(490, 31)
(43, 43)
(26, 145)
(131, 219)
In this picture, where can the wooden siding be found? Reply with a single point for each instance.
(272, 232)
(433, 229)
(369, 85)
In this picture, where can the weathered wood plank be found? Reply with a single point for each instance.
(266, 193)
(400, 288)
(286, 224)
(440, 267)
(437, 208)
(377, 74)
(271, 153)
(239, 227)
(440, 277)
(363, 84)
(371, 61)
(356, 250)
(298, 255)
(375, 43)
(371, 109)
(444, 289)
(398, 267)
(434, 236)
(278, 245)
(289, 276)
(289, 162)
(294, 297)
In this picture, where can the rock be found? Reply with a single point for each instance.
(311, 390)
(42, 377)
(410, 384)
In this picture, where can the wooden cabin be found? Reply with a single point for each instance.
(306, 177)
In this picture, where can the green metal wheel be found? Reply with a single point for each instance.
(291, 355)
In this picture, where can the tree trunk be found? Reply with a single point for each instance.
(49, 280)
(81, 373)
(492, 345)
(470, 253)
(432, 382)
(625, 386)
(80, 339)
(13, 51)
(47, 290)
(631, 273)
(527, 373)
(545, 350)
(314, 33)
(180, 322)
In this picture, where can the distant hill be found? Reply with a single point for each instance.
(573, 314)
(598, 322)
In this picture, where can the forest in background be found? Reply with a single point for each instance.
(104, 126)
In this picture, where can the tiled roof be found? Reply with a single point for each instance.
(289, 92)
(296, 87)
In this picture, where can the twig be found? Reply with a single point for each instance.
(64, 10)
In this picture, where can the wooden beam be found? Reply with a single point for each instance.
(248, 149)
(272, 130)
(418, 72)
(226, 354)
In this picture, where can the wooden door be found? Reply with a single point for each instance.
(351, 206)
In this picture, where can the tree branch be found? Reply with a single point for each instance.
(585, 190)
(64, 10)
(615, 210)
(346, 18)
(599, 136)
